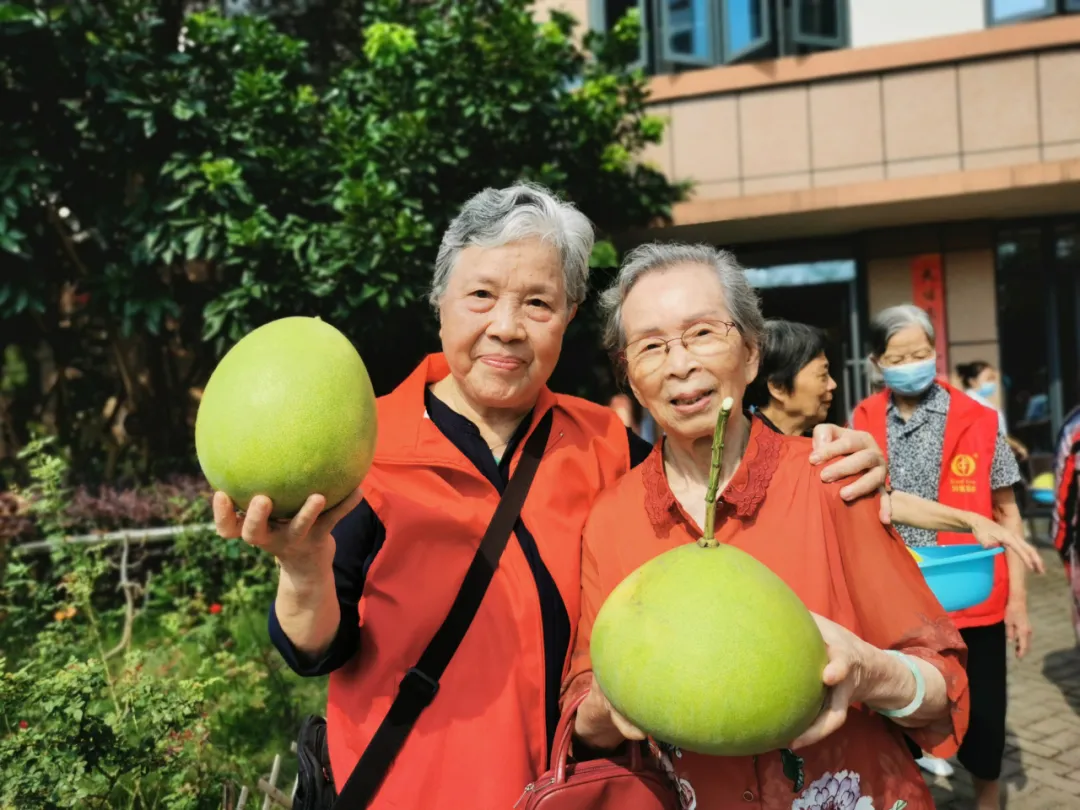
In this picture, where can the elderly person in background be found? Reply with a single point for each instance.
(792, 394)
(981, 381)
(793, 389)
(364, 587)
(688, 330)
(944, 446)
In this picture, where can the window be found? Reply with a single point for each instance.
(689, 34)
(1004, 12)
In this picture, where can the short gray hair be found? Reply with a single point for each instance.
(497, 217)
(741, 299)
(891, 320)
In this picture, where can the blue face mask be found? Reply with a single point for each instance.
(987, 389)
(911, 379)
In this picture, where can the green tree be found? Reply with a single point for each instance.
(168, 182)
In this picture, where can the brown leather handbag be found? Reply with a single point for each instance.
(629, 782)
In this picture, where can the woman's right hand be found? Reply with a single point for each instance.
(600, 726)
(302, 544)
(990, 534)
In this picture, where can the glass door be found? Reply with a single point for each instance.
(1038, 298)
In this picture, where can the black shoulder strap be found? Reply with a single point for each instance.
(418, 687)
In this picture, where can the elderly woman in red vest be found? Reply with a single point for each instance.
(942, 445)
(364, 588)
(687, 327)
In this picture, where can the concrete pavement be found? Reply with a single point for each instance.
(1042, 753)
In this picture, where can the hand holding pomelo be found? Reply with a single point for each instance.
(304, 546)
(842, 675)
(706, 648)
(288, 413)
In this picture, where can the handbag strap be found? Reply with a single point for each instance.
(420, 684)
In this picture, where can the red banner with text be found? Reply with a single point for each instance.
(928, 292)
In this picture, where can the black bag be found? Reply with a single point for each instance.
(315, 781)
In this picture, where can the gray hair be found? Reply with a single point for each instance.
(891, 320)
(497, 217)
(741, 299)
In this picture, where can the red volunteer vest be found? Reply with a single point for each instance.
(484, 736)
(967, 453)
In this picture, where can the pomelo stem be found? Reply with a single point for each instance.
(708, 539)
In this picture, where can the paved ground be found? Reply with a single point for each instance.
(1042, 753)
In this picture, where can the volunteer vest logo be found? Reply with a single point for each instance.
(963, 467)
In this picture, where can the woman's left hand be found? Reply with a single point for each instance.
(990, 534)
(856, 452)
(841, 677)
(1017, 625)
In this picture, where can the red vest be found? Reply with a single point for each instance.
(484, 736)
(968, 448)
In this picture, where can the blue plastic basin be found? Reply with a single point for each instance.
(960, 576)
(1043, 497)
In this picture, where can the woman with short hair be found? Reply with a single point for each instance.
(944, 446)
(687, 329)
(793, 389)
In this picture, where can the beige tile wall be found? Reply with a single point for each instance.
(1012, 110)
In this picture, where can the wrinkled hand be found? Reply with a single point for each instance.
(991, 535)
(1018, 628)
(841, 677)
(600, 725)
(857, 453)
(302, 542)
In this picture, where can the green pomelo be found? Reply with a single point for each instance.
(288, 412)
(709, 650)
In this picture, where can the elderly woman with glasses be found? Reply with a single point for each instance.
(363, 588)
(688, 330)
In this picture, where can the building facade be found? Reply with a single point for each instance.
(861, 153)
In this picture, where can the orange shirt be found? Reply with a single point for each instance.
(844, 565)
(484, 736)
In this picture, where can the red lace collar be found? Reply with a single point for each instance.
(743, 495)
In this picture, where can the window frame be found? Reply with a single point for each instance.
(843, 35)
(666, 56)
(1049, 9)
(733, 57)
(656, 57)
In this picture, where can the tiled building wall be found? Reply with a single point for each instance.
(998, 112)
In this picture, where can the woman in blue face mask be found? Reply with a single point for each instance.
(982, 383)
(944, 446)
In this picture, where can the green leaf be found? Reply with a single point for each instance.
(182, 111)
(14, 12)
(193, 242)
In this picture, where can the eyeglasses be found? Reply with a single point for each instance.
(703, 338)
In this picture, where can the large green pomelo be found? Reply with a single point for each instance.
(709, 650)
(288, 412)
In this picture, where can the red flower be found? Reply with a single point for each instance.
(215, 608)
(23, 724)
